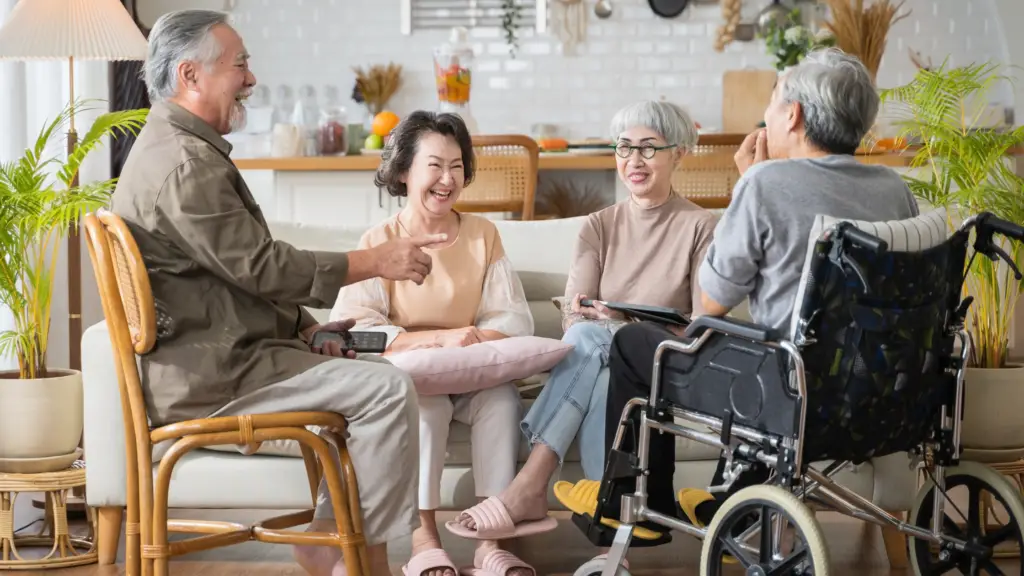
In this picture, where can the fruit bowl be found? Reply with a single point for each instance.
(373, 152)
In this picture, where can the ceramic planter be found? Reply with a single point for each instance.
(993, 429)
(40, 419)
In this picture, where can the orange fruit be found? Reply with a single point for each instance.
(384, 122)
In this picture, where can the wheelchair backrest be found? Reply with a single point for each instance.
(872, 327)
(913, 235)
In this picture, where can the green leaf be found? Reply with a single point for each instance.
(965, 169)
(38, 207)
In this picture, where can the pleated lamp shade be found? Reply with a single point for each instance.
(79, 29)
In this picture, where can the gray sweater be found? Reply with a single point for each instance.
(760, 243)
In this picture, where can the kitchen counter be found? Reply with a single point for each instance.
(582, 160)
(547, 161)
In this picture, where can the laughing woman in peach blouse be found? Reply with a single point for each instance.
(471, 295)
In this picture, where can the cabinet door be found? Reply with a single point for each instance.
(345, 199)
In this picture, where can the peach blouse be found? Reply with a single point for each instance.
(471, 283)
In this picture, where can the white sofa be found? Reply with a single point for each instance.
(540, 251)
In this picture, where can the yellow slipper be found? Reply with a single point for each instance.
(581, 498)
(689, 499)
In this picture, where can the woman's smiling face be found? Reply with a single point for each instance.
(645, 177)
(435, 178)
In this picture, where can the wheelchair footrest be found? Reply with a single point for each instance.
(602, 536)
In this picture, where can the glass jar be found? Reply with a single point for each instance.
(332, 134)
(452, 69)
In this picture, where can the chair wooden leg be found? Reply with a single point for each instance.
(109, 533)
(896, 545)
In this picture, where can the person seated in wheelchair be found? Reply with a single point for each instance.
(800, 165)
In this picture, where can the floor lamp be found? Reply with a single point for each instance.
(71, 30)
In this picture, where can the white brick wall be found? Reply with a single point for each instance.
(633, 55)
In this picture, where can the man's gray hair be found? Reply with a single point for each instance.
(177, 37)
(838, 99)
(667, 119)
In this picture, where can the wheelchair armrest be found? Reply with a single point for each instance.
(732, 327)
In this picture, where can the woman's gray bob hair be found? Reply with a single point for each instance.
(667, 119)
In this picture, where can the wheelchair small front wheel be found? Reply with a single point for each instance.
(595, 566)
(986, 512)
(767, 530)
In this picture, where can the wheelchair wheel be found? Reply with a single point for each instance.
(988, 512)
(751, 521)
(595, 566)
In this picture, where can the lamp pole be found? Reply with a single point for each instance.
(74, 249)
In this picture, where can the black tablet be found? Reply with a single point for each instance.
(658, 314)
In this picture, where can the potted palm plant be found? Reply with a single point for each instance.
(40, 406)
(966, 168)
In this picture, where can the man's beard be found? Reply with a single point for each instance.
(238, 117)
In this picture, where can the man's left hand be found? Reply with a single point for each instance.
(330, 347)
(753, 150)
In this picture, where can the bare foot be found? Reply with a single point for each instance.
(524, 503)
(484, 548)
(320, 560)
(425, 538)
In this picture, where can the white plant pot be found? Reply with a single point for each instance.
(992, 429)
(40, 418)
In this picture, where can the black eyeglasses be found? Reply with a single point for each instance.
(647, 151)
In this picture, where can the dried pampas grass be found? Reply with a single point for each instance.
(862, 31)
(378, 84)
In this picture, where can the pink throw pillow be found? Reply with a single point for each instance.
(479, 366)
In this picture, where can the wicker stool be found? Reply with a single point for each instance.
(64, 550)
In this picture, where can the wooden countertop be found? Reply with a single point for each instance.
(553, 161)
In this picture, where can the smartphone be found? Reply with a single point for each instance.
(359, 342)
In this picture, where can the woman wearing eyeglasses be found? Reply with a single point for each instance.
(645, 249)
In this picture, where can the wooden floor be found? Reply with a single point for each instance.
(855, 548)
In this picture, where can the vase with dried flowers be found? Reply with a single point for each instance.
(862, 30)
(375, 86)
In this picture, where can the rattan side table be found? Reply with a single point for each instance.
(65, 550)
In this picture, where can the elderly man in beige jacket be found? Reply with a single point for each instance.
(233, 336)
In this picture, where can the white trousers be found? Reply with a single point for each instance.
(493, 417)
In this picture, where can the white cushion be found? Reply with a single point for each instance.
(911, 235)
(540, 245)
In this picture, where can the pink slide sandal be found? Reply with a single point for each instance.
(435, 559)
(494, 523)
(498, 563)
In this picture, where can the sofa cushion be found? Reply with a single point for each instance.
(471, 368)
(547, 320)
(542, 285)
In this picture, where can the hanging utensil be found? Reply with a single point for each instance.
(603, 9)
(668, 8)
(775, 12)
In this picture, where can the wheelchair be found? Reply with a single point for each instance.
(871, 368)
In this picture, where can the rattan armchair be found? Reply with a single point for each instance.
(708, 173)
(506, 176)
(128, 307)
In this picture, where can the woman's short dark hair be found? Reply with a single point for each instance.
(401, 148)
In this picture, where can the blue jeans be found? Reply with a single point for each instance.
(574, 398)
